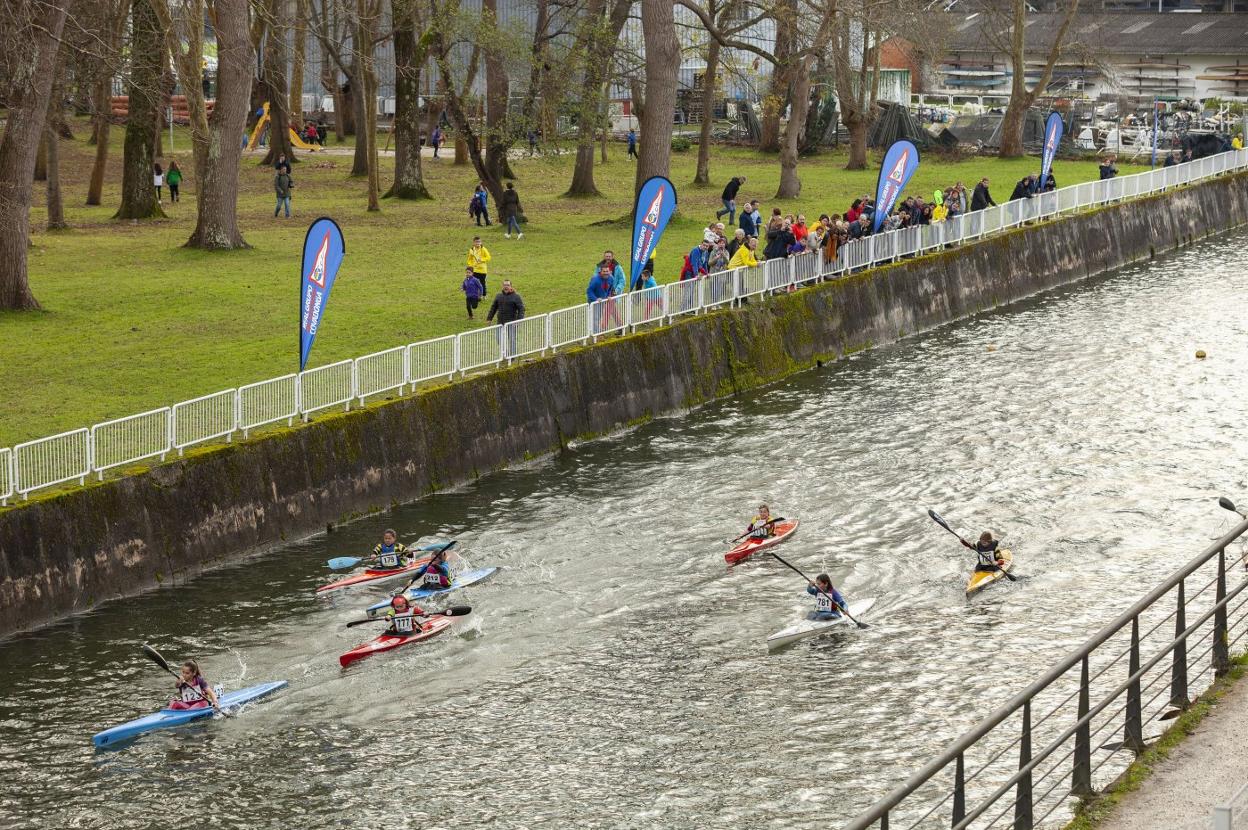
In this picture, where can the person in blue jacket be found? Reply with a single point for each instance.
(435, 574)
(828, 601)
(617, 272)
(698, 258)
(599, 285)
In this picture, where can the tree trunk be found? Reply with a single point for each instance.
(350, 105)
(1021, 98)
(299, 56)
(41, 162)
(329, 79)
(662, 62)
(857, 143)
(276, 90)
(790, 184)
(366, 33)
(51, 136)
(409, 179)
(103, 126)
(461, 152)
(599, 39)
(777, 97)
(497, 94)
(27, 111)
(359, 161)
(217, 158)
(147, 52)
(703, 175)
(583, 172)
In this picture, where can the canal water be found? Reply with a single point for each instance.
(614, 673)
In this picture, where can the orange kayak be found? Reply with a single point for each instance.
(750, 547)
(373, 576)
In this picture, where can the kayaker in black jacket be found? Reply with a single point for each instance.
(986, 550)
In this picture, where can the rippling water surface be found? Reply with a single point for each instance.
(614, 673)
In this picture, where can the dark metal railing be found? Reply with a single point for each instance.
(1062, 768)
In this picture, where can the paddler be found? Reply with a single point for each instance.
(763, 526)
(828, 601)
(193, 690)
(986, 550)
(435, 574)
(402, 616)
(390, 553)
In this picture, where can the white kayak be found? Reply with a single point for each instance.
(813, 628)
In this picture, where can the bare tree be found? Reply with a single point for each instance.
(368, 14)
(104, 23)
(148, 57)
(409, 55)
(727, 18)
(29, 40)
(795, 129)
(658, 26)
(596, 40)
(51, 138)
(299, 57)
(274, 16)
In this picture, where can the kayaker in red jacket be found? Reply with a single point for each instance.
(986, 550)
(828, 601)
(435, 574)
(762, 527)
(402, 616)
(193, 690)
(390, 553)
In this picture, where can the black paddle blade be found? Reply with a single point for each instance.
(1171, 715)
(454, 611)
(1226, 504)
(863, 625)
(938, 520)
(154, 655)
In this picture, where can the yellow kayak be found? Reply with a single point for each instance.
(982, 579)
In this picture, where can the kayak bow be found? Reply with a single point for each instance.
(750, 547)
(388, 642)
(813, 628)
(167, 718)
(982, 579)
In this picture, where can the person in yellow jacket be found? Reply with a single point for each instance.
(940, 213)
(745, 256)
(478, 261)
(1237, 143)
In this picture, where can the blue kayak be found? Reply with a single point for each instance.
(166, 718)
(460, 580)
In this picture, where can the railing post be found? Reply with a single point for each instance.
(1221, 650)
(959, 791)
(1133, 729)
(1081, 776)
(1022, 792)
(1178, 669)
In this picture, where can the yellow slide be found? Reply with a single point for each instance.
(295, 140)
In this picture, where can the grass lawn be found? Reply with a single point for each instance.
(132, 321)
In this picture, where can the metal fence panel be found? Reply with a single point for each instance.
(431, 359)
(683, 297)
(718, 289)
(778, 275)
(483, 347)
(326, 386)
(133, 438)
(569, 325)
(806, 267)
(267, 402)
(6, 475)
(607, 315)
(380, 372)
(204, 418)
(525, 337)
(52, 460)
(751, 281)
(646, 306)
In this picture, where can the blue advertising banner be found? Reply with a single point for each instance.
(1053, 129)
(323, 249)
(900, 162)
(656, 201)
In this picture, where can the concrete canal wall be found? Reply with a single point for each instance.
(63, 553)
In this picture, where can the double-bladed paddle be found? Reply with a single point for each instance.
(1227, 504)
(844, 610)
(157, 658)
(412, 582)
(938, 520)
(751, 530)
(453, 611)
(351, 561)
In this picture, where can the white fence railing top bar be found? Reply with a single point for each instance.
(46, 462)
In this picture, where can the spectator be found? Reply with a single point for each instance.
(719, 257)
(174, 179)
(698, 259)
(509, 307)
(1025, 189)
(861, 228)
(599, 285)
(1050, 183)
(719, 231)
(646, 278)
(799, 228)
(779, 238)
(282, 185)
(632, 144)
(748, 226)
(532, 143)
(757, 217)
(509, 210)
(960, 200)
(1108, 170)
(481, 199)
(617, 272)
(738, 239)
(1237, 143)
(981, 198)
(282, 165)
(479, 261)
(938, 197)
(744, 257)
(940, 212)
(730, 198)
(435, 139)
(855, 210)
(473, 290)
(158, 179)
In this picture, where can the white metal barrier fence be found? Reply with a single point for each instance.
(46, 462)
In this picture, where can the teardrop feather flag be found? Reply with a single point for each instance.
(323, 249)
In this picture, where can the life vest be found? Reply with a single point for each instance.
(388, 556)
(436, 576)
(404, 623)
(195, 692)
(987, 553)
(760, 529)
(824, 603)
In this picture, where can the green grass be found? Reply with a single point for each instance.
(1137, 774)
(132, 321)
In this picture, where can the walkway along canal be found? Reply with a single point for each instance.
(614, 673)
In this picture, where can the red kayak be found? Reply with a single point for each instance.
(387, 642)
(372, 576)
(750, 547)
